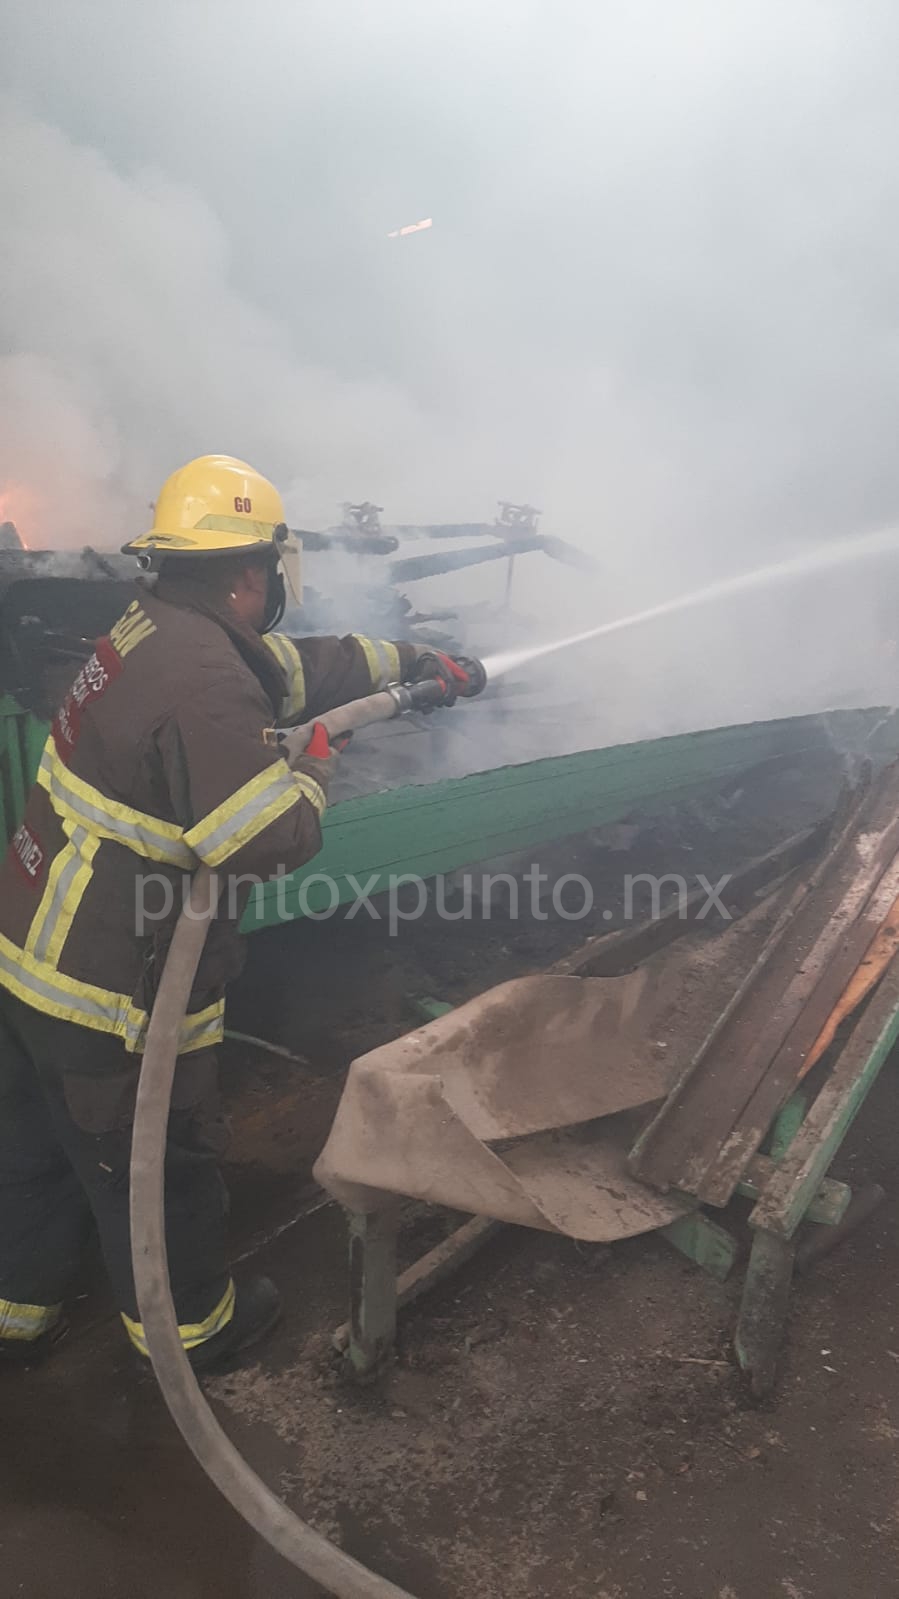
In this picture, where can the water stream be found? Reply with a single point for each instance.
(824, 557)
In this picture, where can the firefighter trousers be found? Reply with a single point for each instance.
(66, 1112)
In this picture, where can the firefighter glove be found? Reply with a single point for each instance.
(315, 756)
(450, 672)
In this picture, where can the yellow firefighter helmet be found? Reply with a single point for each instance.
(214, 505)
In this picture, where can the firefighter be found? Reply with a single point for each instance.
(157, 760)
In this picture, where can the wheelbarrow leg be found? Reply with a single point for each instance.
(372, 1324)
(763, 1311)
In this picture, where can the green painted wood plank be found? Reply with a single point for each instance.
(786, 1199)
(15, 776)
(437, 828)
(430, 1010)
(763, 1310)
(828, 1205)
(786, 1124)
(35, 732)
(703, 1241)
(22, 739)
(373, 1298)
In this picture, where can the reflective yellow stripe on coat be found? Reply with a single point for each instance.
(38, 984)
(88, 818)
(244, 814)
(67, 880)
(77, 801)
(382, 658)
(291, 663)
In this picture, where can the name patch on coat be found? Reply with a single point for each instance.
(104, 666)
(28, 853)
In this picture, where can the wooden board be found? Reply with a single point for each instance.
(22, 739)
(786, 1197)
(715, 1119)
(439, 827)
(610, 954)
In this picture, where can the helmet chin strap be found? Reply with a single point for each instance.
(275, 597)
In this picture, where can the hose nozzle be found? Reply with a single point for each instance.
(460, 676)
(428, 693)
(476, 674)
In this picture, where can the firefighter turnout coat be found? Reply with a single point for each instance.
(158, 760)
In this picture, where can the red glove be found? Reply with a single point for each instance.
(317, 758)
(434, 663)
(318, 746)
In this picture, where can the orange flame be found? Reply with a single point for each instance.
(21, 506)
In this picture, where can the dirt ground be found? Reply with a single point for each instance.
(562, 1420)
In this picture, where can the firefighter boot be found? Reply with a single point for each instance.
(32, 1351)
(257, 1308)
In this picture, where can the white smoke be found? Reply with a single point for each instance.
(132, 352)
(657, 299)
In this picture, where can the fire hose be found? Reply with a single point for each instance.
(338, 1573)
